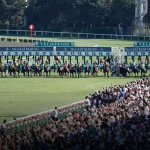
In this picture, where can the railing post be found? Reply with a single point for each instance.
(41, 33)
(25, 32)
(7, 31)
(78, 35)
(95, 36)
(53, 33)
(17, 32)
(87, 36)
(61, 34)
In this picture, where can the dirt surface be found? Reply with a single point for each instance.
(15, 44)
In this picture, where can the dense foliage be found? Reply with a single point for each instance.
(67, 14)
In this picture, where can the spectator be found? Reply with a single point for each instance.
(54, 114)
(112, 125)
(3, 127)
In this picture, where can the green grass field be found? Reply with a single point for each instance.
(22, 96)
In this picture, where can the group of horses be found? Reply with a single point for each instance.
(25, 70)
(128, 71)
(77, 71)
(68, 70)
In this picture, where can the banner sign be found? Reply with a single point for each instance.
(57, 44)
(59, 51)
(141, 44)
(137, 51)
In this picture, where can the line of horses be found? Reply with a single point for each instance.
(66, 70)
(45, 70)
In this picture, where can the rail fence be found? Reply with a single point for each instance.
(72, 35)
(40, 119)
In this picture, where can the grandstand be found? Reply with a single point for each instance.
(76, 48)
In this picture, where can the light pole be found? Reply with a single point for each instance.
(141, 9)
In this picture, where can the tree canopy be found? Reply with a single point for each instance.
(47, 14)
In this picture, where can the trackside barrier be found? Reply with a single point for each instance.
(72, 34)
(43, 118)
(37, 39)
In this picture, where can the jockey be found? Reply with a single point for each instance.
(46, 63)
(21, 62)
(142, 65)
(87, 64)
(71, 65)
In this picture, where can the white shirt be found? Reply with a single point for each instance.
(88, 102)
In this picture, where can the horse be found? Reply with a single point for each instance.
(66, 70)
(79, 70)
(134, 69)
(1, 70)
(60, 71)
(124, 71)
(72, 71)
(26, 70)
(87, 70)
(19, 69)
(37, 70)
(47, 70)
(143, 71)
(95, 70)
(106, 70)
(12, 70)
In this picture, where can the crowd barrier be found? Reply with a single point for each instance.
(42, 118)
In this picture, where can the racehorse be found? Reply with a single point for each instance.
(66, 70)
(106, 70)
(37, 70)
(26, 70)
(134, 69)
(79, 70)
(143, 72)
(95, 69)
(87, 70)
(47, 70)
(1, 70)
(72, 70)
(12, 70)
(60, 71)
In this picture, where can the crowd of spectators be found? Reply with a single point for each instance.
(116, 118)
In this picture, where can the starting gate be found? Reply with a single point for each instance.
(117, 55)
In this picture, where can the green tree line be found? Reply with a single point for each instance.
(68, 15)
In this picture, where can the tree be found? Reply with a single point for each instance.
(11, 12)
(122, 12)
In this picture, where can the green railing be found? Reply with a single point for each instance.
(43, 118)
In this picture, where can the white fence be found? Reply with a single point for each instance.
(71, 35)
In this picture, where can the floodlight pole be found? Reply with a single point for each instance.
(141, 9)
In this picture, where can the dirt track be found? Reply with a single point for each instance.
(15, 44)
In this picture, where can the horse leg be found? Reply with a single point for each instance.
(104, 74)
(107, 73)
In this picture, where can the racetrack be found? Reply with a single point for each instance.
(15, 44)
(25, 96)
